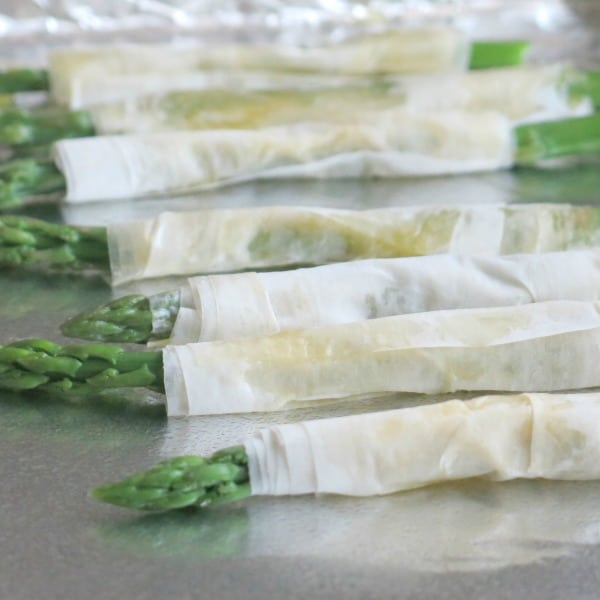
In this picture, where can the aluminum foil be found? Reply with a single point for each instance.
(28, 27)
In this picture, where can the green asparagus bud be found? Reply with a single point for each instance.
(22, 127)
(42, 365)
(555, 139)
(23, 80)
(27, 241)
(488, 55)
(183, 481)
(25, 177)
(131, 319)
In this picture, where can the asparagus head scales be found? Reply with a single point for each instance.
(183, 481)
(27, 241)
(42, 365)
(23, 80)
(130, 319)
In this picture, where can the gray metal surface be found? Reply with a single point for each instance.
(536, 540)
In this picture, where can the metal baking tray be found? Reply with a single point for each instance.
(533, 539)
(523, 539)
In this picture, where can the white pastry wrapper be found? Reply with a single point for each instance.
(521, 94)
(392, 144)
(253, 304)
(415, 50)
(222, 240)
(108, 97)
(492, 437)
(549, 346)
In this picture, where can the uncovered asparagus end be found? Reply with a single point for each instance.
(489, 55)
(33, 242)
(555, 139)
(183, 481)
(23, 80)
(132, 319)
(26, 177)
(41, 365)
(22, 127)
(126, 320)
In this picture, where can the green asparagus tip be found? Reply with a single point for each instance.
(125, 320)
(23, 80)
(41, 365)
(36, 243)
(181, 482)
(23, 127)
(496, 54)
(556, 139)
(26, 177)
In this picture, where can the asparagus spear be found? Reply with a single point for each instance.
(183, 481)
(27, 241)
(42, 365)
(269, 237)
(386, 452)
(534, 142)
(341, 292)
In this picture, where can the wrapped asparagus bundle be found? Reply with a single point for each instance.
(548, 346)
(392, 144)
(73, 73)
(491, 437)
(221, 240)
(229, 306)
(522, 94)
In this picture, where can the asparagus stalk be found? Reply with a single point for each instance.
(27, 241)
(557, 139)
(42, 365)
(183, 481)
(489, 55)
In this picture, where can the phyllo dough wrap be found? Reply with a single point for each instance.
(394, 143)
(548, 346)
(521, 94)
(415, 50)
(221, 240)
(491, 437)
(252, 304)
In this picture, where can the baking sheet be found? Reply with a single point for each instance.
(473, 540)
(534, 539)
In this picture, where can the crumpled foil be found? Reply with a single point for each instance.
(29, 27)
